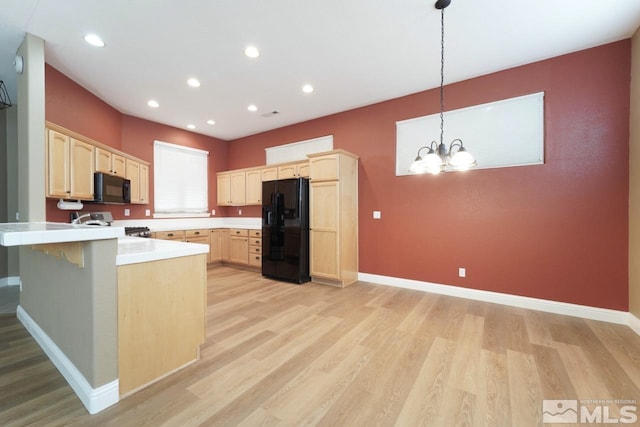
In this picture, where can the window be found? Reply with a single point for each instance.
(180, 180)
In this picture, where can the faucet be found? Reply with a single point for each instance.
(78, 220)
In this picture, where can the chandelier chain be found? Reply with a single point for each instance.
(441, 75)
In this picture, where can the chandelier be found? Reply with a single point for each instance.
(438, 156)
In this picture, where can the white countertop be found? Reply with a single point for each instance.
(251, 223)
(33, 233)
(133, 250)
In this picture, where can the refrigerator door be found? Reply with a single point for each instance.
(270, 246)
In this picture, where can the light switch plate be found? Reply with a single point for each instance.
(147, 212)
(127, 212)
(377, 214)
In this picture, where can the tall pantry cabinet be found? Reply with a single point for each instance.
(333, 217)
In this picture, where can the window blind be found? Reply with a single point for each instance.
(180, 179)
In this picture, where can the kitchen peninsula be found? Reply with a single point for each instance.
(113, 313)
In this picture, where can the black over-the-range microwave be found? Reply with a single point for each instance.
(111, 189)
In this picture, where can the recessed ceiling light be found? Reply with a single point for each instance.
(252, 52)
(153, 103)
(193, 82)
(252, 108)
(211, 122)
(191, 126)
(307, 88)
(94, 40)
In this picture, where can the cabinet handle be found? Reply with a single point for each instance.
(197, 232)
(170, 235)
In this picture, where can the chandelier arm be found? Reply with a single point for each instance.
(455, 143)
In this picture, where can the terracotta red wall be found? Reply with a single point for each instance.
(68, 104)
(556, 231)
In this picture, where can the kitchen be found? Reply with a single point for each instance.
(534, 235)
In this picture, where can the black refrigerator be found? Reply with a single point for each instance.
(285, 230)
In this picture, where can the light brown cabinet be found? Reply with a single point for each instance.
(239, 246)
(72, 159)
(255, 248)
(215, 245)
(138, 174)
(108, 162)
(253, 185)
(170, 235)
(69, 167)
(333, 218)
(231, 188)
(269, 174)
(293, 170)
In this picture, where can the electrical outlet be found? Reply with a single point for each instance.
(17, 216)
(147, 212)
(213, 212)
(239, 211)
(462, 272)
(127, 212)
(377, 215)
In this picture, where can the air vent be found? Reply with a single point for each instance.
(270, 113)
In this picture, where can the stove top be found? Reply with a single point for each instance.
(137, 231)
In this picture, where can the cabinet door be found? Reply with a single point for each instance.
(215, 246)
(103, 160)
(303, 169)
(118, 164)
(144, 183)
(253, 187)
(239, 249)
(238, 188)
(224, 189)
(325, 167)
(287, 171)
(324, 210)
(81, 170)
(133, 174)
(224, 233)
(57, 165)
(270, 174)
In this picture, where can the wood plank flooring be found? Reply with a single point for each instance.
(285, 355)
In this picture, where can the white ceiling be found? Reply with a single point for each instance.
(354, 52)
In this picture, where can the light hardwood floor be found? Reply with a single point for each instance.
(285, 355)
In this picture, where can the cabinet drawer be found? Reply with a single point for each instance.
(170, 235)
(197, 233)
(204, 240)
(255, 233)
(256, 241)
(238, 232)
(255, 260)
(255, 249)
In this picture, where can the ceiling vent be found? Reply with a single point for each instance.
(270, 113)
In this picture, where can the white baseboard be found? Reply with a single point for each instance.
(10, 281)
(94, 399)
(584, 311)
(634, 323)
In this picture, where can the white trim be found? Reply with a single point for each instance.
(180, 147)
(10, 281)
(94, 399)
(634, 323)
(587, 312)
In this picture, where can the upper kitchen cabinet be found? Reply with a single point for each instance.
(253, 187)
(293, 170)
(69, 167)
(138, 174)
(269, 174)
(333, 218)
(231, 188)
(72, 159)
(109, 162)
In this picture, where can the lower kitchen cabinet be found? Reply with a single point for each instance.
(239, 246)
(255, 248)
(215, 244)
